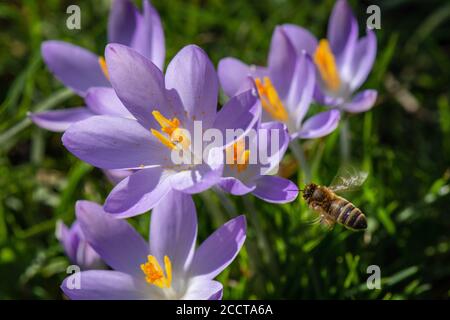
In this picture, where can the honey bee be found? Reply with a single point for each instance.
(333, 208)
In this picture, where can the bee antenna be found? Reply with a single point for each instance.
(299, 190)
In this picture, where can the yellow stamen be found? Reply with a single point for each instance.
(270, 100)
(163, 139)
(103, 66)
(168, 266)
(171, 127)
(167, 125)
(237, 156)
(244, 159)
(324, 59)
(154, 274)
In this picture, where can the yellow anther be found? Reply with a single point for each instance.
(154, 274)
(168, 266)
(167, 125)
(270, 100)
(163, 139)
(245, 156)
(324, 59)
(171, 127)
(102, 63)
(237, 156)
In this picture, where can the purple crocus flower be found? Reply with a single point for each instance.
(343, 61)
(168, 267)
(77, 248)
(285, 87)
(82, 70)
(242, 176)
(99, 101)
(164, 110)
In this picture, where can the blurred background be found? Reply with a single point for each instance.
(404, 142)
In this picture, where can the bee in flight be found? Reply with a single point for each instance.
(333, 208)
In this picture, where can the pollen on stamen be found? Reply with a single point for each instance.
(163, 139)
(245, 161)
(270, 100)
(173, 135)
(104, 67)
(237, 156)
(325, 62)
(154, 273)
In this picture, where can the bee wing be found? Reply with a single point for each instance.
(348, 178)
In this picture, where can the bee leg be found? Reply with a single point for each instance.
(328, 223)
(315, 221)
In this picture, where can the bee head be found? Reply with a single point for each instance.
(309, 190)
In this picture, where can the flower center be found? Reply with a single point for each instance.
(270, 100)
(172, 135)
(324, 59)
(237, 156)
(154, 274)
(102, 63)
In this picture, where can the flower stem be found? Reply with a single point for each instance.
(263, 242)
(299, 154)
(219, 217)
(225, 201)
(345, 140)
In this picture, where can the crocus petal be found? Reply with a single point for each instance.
(115, 176)
(103, 285)
(117, 243)
(122, 22)
(363, 101)
(75, 67)
(198, 179)
(301, 39)
(217, 296)
(60, 120)
(104, 101)
(87, 258)
(319, 125)
(191, 73)
(138, 83)
(363, 59)
(137, 193)
(173, 230)
(235, 186)
(204, 289)
(239, 114)
(149, 36)
(110, 142)
(323, 98)
(233, 73)
(219, 250)
(301, 89)
(69, 240)
(275, 189)
(276, 148)
(342, 34)
(281, 62)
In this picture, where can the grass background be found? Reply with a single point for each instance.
(404, 142)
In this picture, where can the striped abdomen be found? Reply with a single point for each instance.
(347, 214)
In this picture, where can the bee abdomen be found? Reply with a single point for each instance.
(351, 217)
